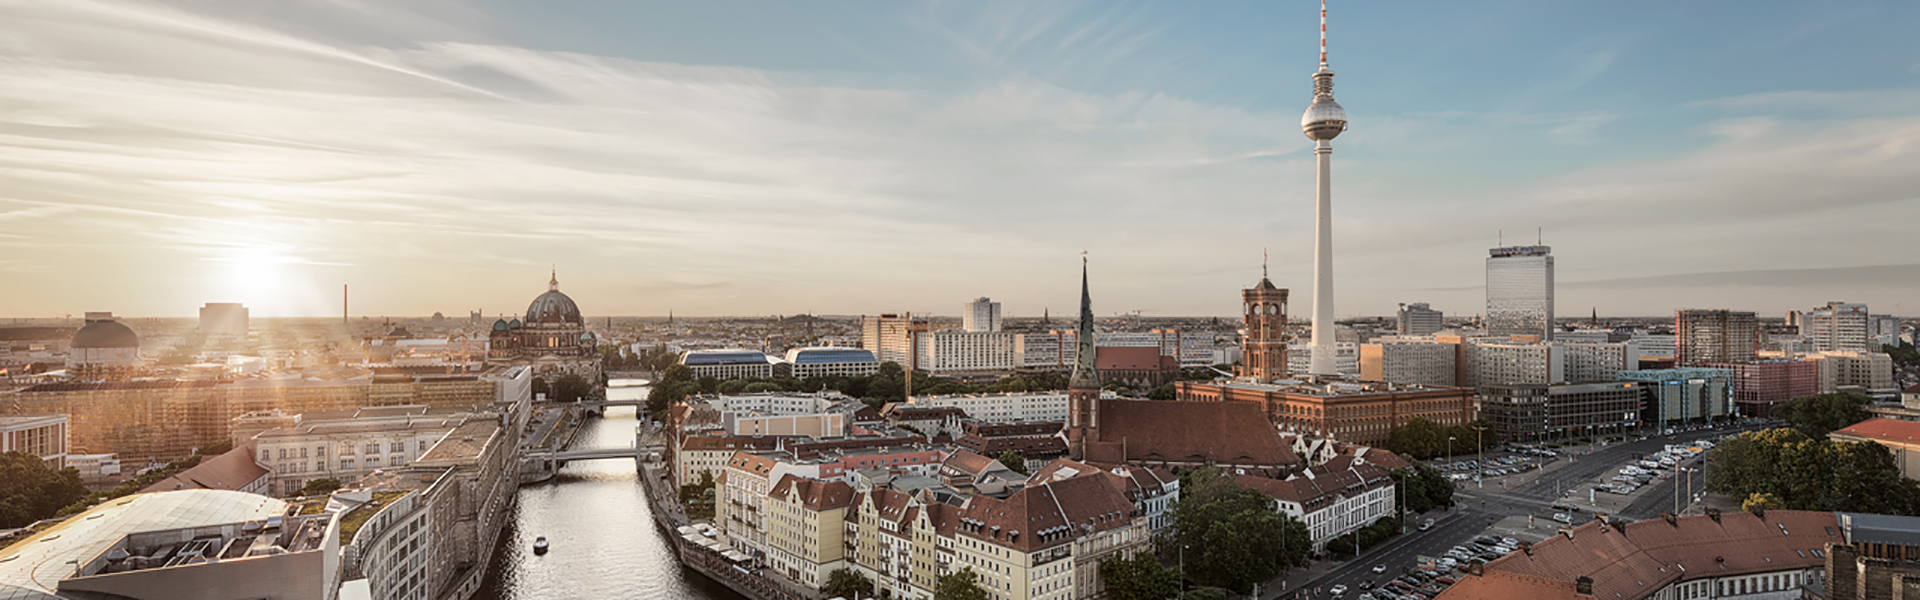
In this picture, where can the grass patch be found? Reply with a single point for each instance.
(351, 522)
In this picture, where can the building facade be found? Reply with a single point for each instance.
(44, 436)
(1353, 412)
(982, 315)
(831, 362)
(729, 364)
(1409, 362)
(1011, 407)
(1837, 326)
(891, 337)
(1533, 412)
(1264, 349)
(1759, 385)
(1418, 319)
(1704, 336)
(1684, 395)
(1520, 291)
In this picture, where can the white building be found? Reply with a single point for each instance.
(1515, 363)
(953, 351)
(831, 362)
(981, 316)
(1013, 407)
(1419, 319)
(1599, 361)
(776, 403)
(1409, 362)
(1655, 346)
(1333, 499)
(1837, 326)
(1346, 359)
(1058, 349)
(1520, 291)
(348, 448)
(44, 436)
(729, 364)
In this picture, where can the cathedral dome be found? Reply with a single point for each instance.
(105, 334)
(500, 325)
(554, 307)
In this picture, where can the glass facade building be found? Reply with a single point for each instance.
(1520, 291)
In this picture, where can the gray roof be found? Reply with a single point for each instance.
(105, 334)
(1880, 529)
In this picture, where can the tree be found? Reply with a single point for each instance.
(30, 491)
(1904, 355)
(540, 387)
(320, 487)
(1418, 438)
(1807, 474)
(761, 387)
(1762, 502)
(1232, 537)
(1014, 461)
(1140, 577)
(1164, 392)
(846, 583)
(964, 585)
(569, 388)
(1821, 414)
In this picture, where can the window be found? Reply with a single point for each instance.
(397, 447)
(303, 452)
(320, 451)
(347, 464)
(373, 447)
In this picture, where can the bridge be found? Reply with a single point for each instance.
(600, 404)
(562, 457)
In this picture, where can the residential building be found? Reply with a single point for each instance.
(393, 548)
(957, 352)
(1684, 395)
(891, 337)
(819, 425)
(808, 363)
(1516, 363)
(1346, 359)
(1408, 362)
(1537, 412)
(44, 436)
(465, 482)
(980, 316)
(1654, 347)
(1418, 319)
(776, 403)
(1264, 349)
(349, 446)
(1047, 541)
(223, 318)
(1059, 349)
(1598, 361)
(806, 520)
(1152, 491)
(1520, 291)
(733, 363)
(1902, 439)
(902, 543)
(1705, 336)
(1759, 385)
(1880, 559)
(706, 455)
(1333, 499)
(1011, 407)
(1037, 443)
(1760, 555)
(928, 421)
(1869, 373)
(1837, 326)
(1349, 411)
(1882, 330)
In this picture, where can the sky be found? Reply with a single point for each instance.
(757, 158)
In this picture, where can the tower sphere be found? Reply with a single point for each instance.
(1324, 119)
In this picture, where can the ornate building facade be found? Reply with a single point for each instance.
(1266, 318)
(552, 339)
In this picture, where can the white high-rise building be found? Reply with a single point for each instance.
(981, 316)
(1837, 326)
(1419, 319)
(1323, 121)
(223, 318)
(1520, 291)
(1408, 362)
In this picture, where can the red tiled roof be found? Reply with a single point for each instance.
(1890, 430)
(1319, 486)
(1237, 433)
(1913, 390)
(1641, 558)
(968, 462)
(816, 495)
(1501, 585)
(758, 465)
(1048, 514)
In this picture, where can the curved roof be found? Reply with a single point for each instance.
(500, 325)
(816, 356)
(554, 307)
(724, 357)
(105, 334)
(32, 569)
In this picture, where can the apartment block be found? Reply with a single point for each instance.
(1704, 336)
(1408, 362)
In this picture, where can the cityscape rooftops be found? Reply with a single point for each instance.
(731, 356)
(464, 442)
(1891, 430)
(33, 568)
(232, 470)
(1633, 560)
(829, 355)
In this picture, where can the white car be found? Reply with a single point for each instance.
(1339, 589)
(1563, 517)
(1380, 568)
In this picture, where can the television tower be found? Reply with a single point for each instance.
(1323, 121)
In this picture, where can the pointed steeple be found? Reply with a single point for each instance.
(1085, 375)
(553, 285)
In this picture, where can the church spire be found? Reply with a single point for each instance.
(1085, 374)
(553, 285)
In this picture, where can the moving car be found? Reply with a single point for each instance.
(1380, 568)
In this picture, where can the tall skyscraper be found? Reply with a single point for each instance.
(1418, 319)
(1837, 326)
(1323, 121)
(223, 318)
(1266, 318)
(982, 316)
(1520, 291)
(1083, 386)
(1703, 336)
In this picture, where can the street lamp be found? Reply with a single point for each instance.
(1449, 449)
(1480, 464)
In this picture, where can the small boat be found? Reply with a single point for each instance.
(540, 545)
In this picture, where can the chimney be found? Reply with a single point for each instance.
(1714, 513)
(1566, 531)
(1526, 547)
(1476, 568)
(1843, 572)
(1671, 520)
(1583, 585)
(1760, 511)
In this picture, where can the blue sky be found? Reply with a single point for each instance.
(759, 158)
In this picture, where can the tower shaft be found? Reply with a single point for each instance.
(1323, 354)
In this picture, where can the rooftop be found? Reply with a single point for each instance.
(464, 442)
(1880, 529)
(1886, 430)
(33, 568)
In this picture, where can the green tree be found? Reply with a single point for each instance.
(540, 387)
(1904, 355)
(708, 384)
(1232, 537)
(847, 583)
(1819, 415)
(761, 387)
(1014, 461)
(320, 487)
(569, 388)
(1164, 392)
(1140, 577)
(30, 491)
(1807, 474)
(1762, 502)
(1418, 438)
(964, 585)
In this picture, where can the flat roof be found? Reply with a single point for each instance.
(1880, 529)
(12, 421)
(31, 569)
(465, 441)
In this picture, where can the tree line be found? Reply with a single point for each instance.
(1423, 439)
(1797, 467)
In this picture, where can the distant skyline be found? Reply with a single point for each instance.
(749, 158)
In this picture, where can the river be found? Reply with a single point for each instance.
(594, 514)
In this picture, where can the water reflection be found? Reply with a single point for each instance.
(604, 541)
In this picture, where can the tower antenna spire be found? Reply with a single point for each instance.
(1263, 263)
(1323, 35)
